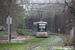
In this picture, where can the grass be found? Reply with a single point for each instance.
(47, 46)
(63, 49)
(3, 33)
(65, 39)
(26, 45)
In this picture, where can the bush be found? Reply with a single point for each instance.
(22, 32)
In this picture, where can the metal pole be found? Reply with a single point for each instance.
(9, 30)
(40, 17)
(8, 33)
(40, 14)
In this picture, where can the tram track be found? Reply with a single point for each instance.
(34, 48)
(51, 48)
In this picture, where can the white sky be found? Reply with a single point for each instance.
(45, 1)
(34, 0)
(52, 1)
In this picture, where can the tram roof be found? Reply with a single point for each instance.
(40, 22)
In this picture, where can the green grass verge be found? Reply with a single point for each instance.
(3, 33)
(47, 46)
(65, 39)
(22, 31)
(26, 45)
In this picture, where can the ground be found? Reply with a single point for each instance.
(14, 38)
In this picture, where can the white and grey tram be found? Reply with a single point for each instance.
(40, 29)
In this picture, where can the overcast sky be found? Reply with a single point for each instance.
(45, 1)
(52, 1)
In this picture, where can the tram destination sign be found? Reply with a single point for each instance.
(41, 25)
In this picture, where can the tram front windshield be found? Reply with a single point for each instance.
(42, 28)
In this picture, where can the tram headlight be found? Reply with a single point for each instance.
(45, 32)
(37, 32)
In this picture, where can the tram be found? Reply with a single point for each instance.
(40, 29)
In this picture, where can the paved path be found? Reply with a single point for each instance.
(18, 39)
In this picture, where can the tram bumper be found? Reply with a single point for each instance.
(42, 34)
